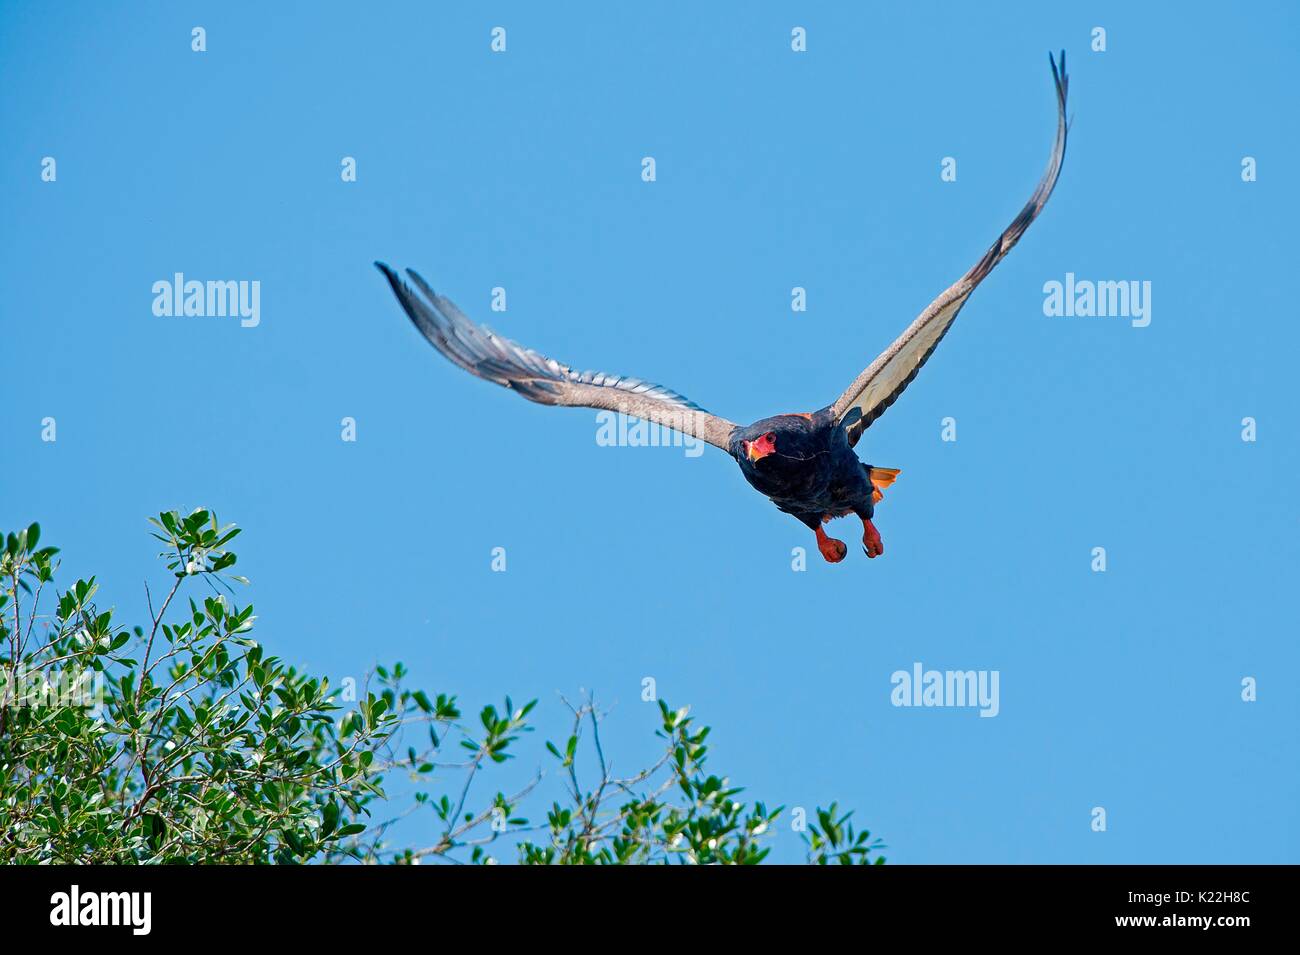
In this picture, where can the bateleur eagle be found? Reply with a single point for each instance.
(804, 463)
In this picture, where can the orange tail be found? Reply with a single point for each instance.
(881, 478)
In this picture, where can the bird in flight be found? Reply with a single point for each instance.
(804, 463)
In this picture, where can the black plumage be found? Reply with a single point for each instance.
(810, 472)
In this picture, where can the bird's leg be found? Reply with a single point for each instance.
(831, 549)
(871, 542)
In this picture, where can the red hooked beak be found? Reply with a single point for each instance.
(760, 448)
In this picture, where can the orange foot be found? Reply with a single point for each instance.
(871, 542)
(831, 549)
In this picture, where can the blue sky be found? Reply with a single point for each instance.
(775, 169)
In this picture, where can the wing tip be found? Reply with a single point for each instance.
(400, 286)
(1059, 77)
(394, 281)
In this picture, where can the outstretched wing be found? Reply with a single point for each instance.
(884, 379)
(483, 353)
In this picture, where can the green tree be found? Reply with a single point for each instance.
(184, 741)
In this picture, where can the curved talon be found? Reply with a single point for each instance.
(872, 545)
(830, 548)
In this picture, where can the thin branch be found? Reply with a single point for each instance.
(153, 631)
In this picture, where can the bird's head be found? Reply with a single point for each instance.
(760, 447)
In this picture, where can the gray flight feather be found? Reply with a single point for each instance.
(880, 384)
(481, 352)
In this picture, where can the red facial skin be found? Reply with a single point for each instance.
(760, 448)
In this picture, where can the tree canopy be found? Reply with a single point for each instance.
(183, 740)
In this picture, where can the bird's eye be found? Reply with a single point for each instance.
(770, 437)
